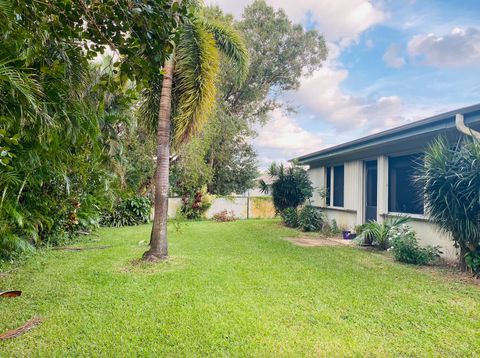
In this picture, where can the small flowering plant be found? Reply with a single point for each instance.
(398, 233)
(405, 248)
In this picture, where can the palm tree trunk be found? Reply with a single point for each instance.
(158, 239)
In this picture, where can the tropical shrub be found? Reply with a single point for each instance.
(330, 228)
(377, 234)
(195, 204)
(359, 229)
(310, 219)
(472, 259)
(405, 248)
(290, 217)
(224, 216)
(450, 182)
(290, 187)
(128, 212)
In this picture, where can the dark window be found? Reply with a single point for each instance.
(371, 185)
(338, 178)
(403, 196)
(329, 185)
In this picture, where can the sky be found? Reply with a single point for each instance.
(390, 62)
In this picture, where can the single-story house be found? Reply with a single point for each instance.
(370, 178)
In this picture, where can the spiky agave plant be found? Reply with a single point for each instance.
(187, 97)
(378, 233)
(450, 181)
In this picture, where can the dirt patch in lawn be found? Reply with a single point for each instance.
(318, 241)
(138, 266)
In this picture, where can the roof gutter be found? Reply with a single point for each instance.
(461, 127)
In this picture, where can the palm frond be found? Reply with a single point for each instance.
(264, 187)
(149, 107)
(197, 66)
(24, 88)
(232, 45)
(6, 8)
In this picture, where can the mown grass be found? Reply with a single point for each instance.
(235, 289)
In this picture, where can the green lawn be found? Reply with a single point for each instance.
(235, 289)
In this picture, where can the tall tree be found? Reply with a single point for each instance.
(281, 52)
(189, 84)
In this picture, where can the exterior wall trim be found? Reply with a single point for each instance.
(336, 208)
(417, 217)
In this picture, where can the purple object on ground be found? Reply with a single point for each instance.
(346, 235)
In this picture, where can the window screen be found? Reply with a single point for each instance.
(403, 196)
(329, 185)
(338, 184)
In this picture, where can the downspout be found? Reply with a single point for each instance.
(461, 127)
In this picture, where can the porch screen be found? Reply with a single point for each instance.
(338, 186)
(403, 196)
(329, 185)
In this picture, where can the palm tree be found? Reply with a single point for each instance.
(448, 177)
(187, 98)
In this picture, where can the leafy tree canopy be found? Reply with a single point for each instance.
(280, 54)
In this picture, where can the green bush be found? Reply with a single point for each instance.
(195, 204)
(310, 219)
(359, 229)
(290, 187)
(290, 217)
(330, 228)
(472, 259)
(128, 212)
(405, 248)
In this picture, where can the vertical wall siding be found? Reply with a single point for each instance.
(353, 185)
(382, 187)
(353, 188)
(317, 176)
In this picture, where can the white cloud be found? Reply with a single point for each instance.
(393, 56)
(339, 20)
(461, 47)
(322, 94)
(283, 138)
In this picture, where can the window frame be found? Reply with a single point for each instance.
(330, 186)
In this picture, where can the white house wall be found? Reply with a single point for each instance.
(353, 212)
(428, 234)
(318, 178)
(353, 187)
(345, 220)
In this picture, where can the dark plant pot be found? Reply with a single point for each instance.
(353, 236)
(346, 235)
